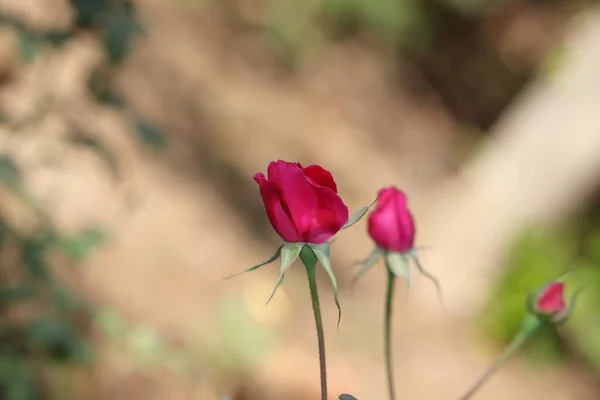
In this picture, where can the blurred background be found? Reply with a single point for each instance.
(129, 135)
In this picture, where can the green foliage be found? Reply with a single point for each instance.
(55, 327)
(9, 173)
(584, 324)
(79, 247)
(537, 257)
(151, 134)
(17, 380)
(51, 333)
(117, 25)
(395, 21)
(296, 28)
(89, 12)
(122, 26)
(542, 255)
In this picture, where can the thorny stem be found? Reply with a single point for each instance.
(388, 333)
(310, 262)
(531, 326)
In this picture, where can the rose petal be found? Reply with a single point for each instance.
(317, 211)
(551, 300)
(391, 225)
(321, 176)
(277, 211)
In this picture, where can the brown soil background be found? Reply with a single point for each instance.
(228, 111)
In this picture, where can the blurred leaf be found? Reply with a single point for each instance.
(28, 45)
(347, 397)
(58, 38)
(10, 174)
(537, 256)
(33, 256)
(554, 61)
(90, 11)
(100, 86)
(79, 248)
(151, 133)
(17, 379)
(65, 300)
(122, 25)
(51, 334)
(111, 324)
(396, 21)
(584, 325)
(5, 231)
(146, 344)
(16, 294)
(59, 337)
(293, 30)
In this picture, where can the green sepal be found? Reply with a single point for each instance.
(274, 257)
(355, 217)
(289, 254)
(426, 274)
(322, 252)
(368, 263)
(399, 265)
(530, 303)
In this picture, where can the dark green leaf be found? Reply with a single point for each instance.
(58, 38)
(151, 133)
(47, 331)
(16, 294)
(64, 300)
(100, 86)
(90, 12)
(121, 27)
(33, 258)
(58, 337)
(347, 397)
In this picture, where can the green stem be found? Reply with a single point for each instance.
(531, 326)
(310, 262)
(389, 300)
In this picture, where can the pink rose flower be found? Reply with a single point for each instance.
(302, 203)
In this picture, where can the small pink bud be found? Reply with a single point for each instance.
(551, 300)
(391, 224)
